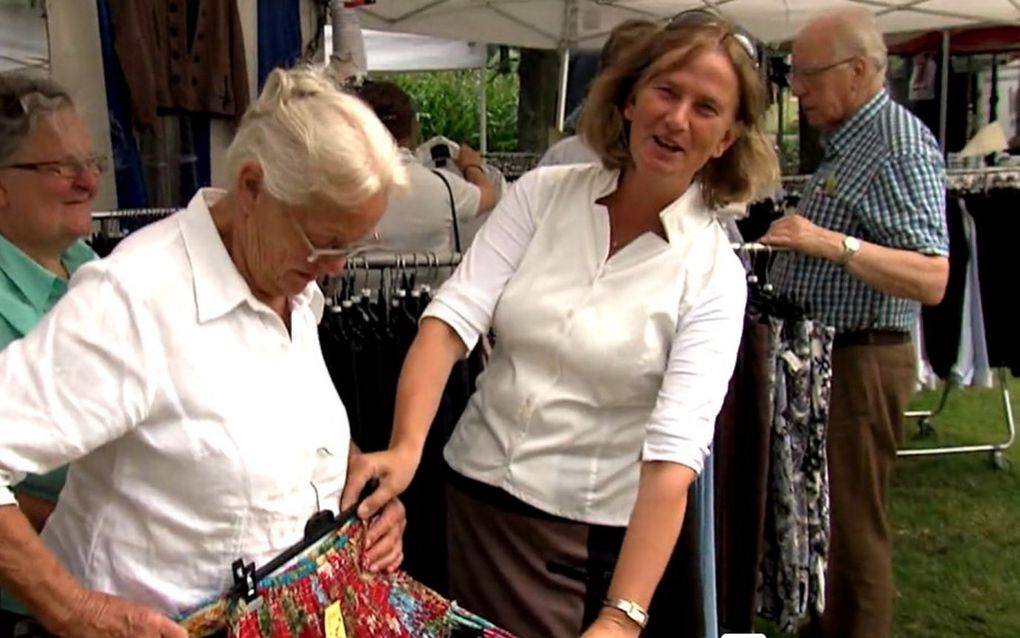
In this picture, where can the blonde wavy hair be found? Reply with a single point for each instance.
(311, 138)
(747, 171)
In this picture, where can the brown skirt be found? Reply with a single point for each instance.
(542, 576)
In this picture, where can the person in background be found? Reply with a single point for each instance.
(49, 176)
(182, 379)
(573, 149)
(617, 305)
(422, 219)
(869, 244)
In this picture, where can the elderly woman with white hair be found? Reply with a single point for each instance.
(181, 378)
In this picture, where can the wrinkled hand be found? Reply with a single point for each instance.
(468, 156)
(798, 234)
(393, 469)
(105, 616)
(384, 539)
(612, 625)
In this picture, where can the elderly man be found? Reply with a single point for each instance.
(868, 243)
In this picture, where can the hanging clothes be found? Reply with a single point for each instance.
(997, 228)
(365, 336)
(741, 452)
(972, 367)
(792, 578)
(182, 55)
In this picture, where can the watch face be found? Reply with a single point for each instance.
(851, 244)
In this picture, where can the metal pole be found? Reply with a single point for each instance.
(561, 103)
(944, 101)
(483, 111)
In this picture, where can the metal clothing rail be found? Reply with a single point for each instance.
(382, 261)
(133, 213)
(997, 451)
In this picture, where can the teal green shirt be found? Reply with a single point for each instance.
(27, 292)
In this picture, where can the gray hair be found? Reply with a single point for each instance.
(23, 101)
(311, 138)
(855, 32)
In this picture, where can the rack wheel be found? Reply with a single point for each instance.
(1000, 461)
(926, 429)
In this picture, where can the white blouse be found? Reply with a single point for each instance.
(195, 425)
(598, 364)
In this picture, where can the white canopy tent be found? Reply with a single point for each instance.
(557, 24)
(568, 24)
(23, 43)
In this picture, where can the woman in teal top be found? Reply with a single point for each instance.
(49, 177)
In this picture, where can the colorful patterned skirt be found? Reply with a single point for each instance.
(296, 602)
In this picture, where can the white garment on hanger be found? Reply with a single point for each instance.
(971, 367)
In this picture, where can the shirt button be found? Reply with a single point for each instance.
(570, 314)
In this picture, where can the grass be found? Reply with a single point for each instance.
(956, 526)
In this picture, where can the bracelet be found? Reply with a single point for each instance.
(635, 612)
(478, 166)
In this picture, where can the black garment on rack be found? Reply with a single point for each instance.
(997, 224)
(943, 323)
(364, 345)
(741, 466)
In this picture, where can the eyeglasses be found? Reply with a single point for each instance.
(804, 74)
(67, 169)
(694, 18)
(353, 249)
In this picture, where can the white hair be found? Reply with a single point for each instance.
(855, 32)
(310, 138)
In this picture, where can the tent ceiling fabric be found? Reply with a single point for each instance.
(22, 37)
(550, 24)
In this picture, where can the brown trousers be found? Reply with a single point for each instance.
(539, 576)
(871, 385)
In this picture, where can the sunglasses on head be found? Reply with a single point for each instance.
(694, 18)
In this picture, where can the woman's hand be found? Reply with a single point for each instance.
(393, 468)
(612, 624)
(384, 540)
(104, 616)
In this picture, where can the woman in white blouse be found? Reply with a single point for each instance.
(182, 380)
(617, 306)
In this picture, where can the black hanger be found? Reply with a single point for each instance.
(322, 523)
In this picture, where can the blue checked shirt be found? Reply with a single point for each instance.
(882, 180)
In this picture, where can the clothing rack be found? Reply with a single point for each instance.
(381, 261)
(957, 180)
(133, 213)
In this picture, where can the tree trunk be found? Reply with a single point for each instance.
(536, 106)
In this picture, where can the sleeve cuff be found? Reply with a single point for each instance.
(439, 310)
(688, 455)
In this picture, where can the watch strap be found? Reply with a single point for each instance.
(635, 612)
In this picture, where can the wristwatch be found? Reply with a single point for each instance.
(851, 246)
(630, 608)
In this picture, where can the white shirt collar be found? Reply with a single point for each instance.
(681, 219)
(219, 287)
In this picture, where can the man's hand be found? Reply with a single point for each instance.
(796, 233)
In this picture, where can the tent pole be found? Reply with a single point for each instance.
(483, 111)
(944, 97)
(561, 102)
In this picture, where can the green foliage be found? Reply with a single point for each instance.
(447, 104)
